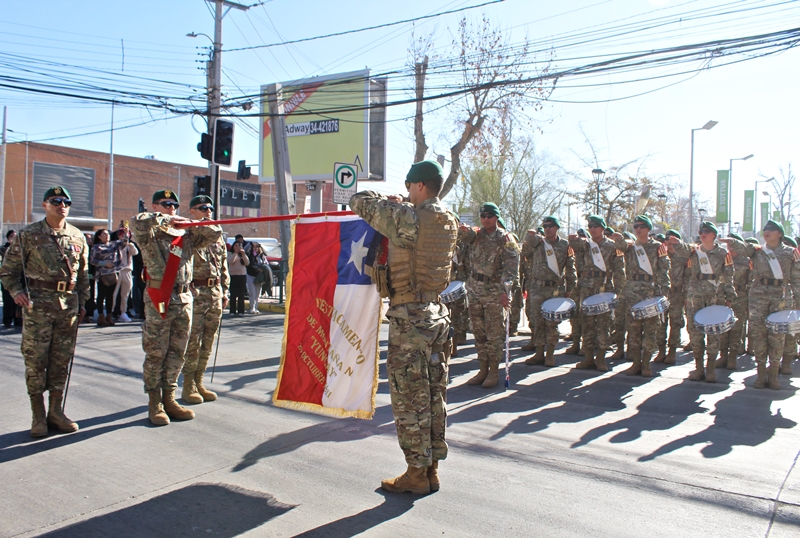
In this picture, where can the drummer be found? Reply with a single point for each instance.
(708, 281)
(775, 287)
(730, 342)
(647, 276)
(575, 322)
(602, 271)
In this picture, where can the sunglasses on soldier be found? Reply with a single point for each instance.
(594, 225)
(58, 201)
(485, 215)
(204, 208)
(167, 203)
(639, 226)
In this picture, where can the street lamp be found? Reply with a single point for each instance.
(764, 193)
(702, 213)
(708, 126)
(737, 226)
(598, 176)
(27, 205)
(730, 185)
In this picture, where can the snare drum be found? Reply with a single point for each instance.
(599, 304)
(784, 322)
(453, 292)
(558, 309)
(650, 308)
(715, 319)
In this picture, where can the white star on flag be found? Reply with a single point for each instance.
(357, 254)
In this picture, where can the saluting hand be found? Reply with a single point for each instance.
(617, 236)
(395, 198)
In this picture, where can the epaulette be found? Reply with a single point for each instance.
(729, 259)
(662, 251)
(570, 252)
(620, 253)
(796, 254)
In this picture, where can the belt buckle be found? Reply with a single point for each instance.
(211, 282)
(61, 286)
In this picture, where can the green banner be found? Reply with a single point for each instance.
(723, 201)
(764, 214)
(747, 221)
(776, 215)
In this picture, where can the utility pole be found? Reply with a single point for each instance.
(280, 152)
(111, 176)
(3, 168)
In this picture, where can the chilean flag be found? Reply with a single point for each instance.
(329, 360)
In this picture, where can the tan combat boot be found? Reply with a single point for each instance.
(670, 358)
(722, 361)
(588, 360)
(619, 353)
(55, 415)
(761, 378)
(155, 411)
(414, 480)
(600, 360)
(208, 395)
(39, 423)
(189, 393)
(636, 367)
(662, 352)
(174, 410)
(575, 348)
(491, 377)
(711, 369)
(646, 371)
(530, 346)
(549, 360)
(698, 374)
(688, 346)
(433, 475)
(537, 358)
(772, 375)
(481, 375)
(786, 365)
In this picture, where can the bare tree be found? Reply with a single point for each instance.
(783, 202)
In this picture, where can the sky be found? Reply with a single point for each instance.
(753, 101)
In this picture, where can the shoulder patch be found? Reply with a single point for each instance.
(620, 253)
(570, 252)
(662, 251)
(729, 259)
(796, 254)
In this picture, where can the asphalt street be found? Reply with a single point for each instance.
(562, 453)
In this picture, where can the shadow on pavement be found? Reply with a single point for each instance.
(393, 505)
(199, 509)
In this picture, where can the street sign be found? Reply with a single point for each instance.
(345, 182)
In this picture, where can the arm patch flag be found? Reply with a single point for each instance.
(329, 356)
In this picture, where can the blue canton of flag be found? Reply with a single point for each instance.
(356, 237)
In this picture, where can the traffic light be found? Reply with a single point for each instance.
(223, 142)
(204, 146)
(243, 172)
(202, 185)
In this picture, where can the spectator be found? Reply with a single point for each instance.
(258, 261)
(125, 281)
(12, 314)
(106, 259)
(237, 266)
(90, 303)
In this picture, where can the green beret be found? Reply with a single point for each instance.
(550, 219)
(629, 235)
(674, 233)
(789, 241)
(201, 199)
(492, 209)
(582, 232)
(644, 219)
(424, 171)
(56, 190)
(708, 225)
(596, 219)
(752, 240)
(660, 238)
(165, 194)
(775, 225)
(540, 230)
(609, 231)
(736, 236)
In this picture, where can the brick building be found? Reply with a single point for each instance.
(31, 168)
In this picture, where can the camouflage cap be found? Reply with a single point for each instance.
(165, 194)
(424, 171)
(644, 219)
(56, 190)
(201, 199)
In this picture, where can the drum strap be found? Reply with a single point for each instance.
(641, 257)
(597, 256)
(774, 263)
(705, 263)
(550, 254)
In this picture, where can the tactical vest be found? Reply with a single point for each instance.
(420, 274)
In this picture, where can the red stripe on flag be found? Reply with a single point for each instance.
(314, 276)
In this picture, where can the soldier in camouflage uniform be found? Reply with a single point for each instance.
(422, 238)
(54, 257)
(210, 281)
(524, 278)
(730, 343)
(552, 270)
(647, 275)
(775, 287)
(494, 260)
(679, 253)
(790, 347)
(459, 313)
(709, 281)
(576, 321)
(168, 256)
(748, 348)
(603, 271)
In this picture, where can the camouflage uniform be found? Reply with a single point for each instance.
(731, 341)
(416, 361)
(516, 301)
(592, 281)
(545, 284)
(164, 340)
(459, 312)
(640, 286)
(50, 325)
(210, 266)
(494, 259)
(677, 304)
(768, 295)
(704, 290)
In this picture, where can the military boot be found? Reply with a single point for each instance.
(711, 369)
(636, 367)
(722, 361)
(101, 321)
(549, 360)
(530, 346)
(588, 360)
(688, 347)
(575, 348)
(600, 360)
(761, 371)
(478, 378)
(537, 358)
(189, 393)
(786, 365)
(55, 415)
(491, 376)
(208, 396)
(620, 351)
(39, 423)
(646, 371)
(670, 358)
(173, 409)
(772, 375)
(662, 352)
(433, 475)
(698, 374)
(460, 338)
(414, 480)
(155, 411)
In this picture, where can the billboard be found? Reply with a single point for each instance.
(328, 120)
(78, 181)
(238, 199)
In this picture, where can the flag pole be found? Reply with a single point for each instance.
(263, 219)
